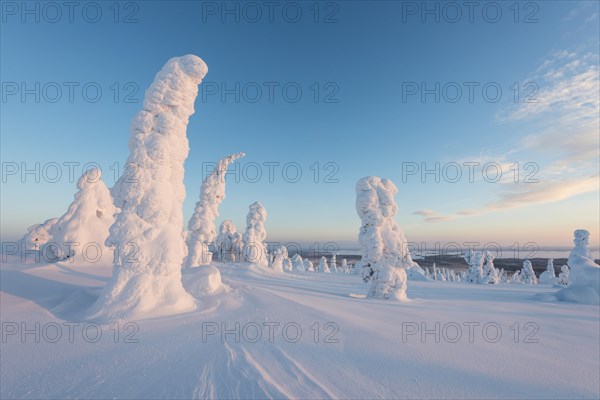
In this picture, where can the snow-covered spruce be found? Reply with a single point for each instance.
(384, 248)
(527, 274)
(85, 224)
(287, 264)
(548, 277)
(333, 265)
(490, 273)
(516, 277)
(297, 263)
(584, 275)
(475, 261)
(563, 276)
(278, 258)
(148, 230)
(255, 250)
(344, 266)
(323, 266)
(201, 227)
(308, 265)
(228, 243)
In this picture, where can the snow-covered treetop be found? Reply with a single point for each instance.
(227, 227)
(380, 236)
(212, 192)
(255, 234)
(256, 215)
(581, 240)
(158, 143)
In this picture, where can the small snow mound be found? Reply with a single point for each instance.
(202, 281)
(416, 273)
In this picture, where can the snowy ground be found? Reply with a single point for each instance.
(365, 351)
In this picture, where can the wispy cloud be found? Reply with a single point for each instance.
(566, 126)
(432, 216)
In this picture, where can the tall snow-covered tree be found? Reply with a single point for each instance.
(148, 229)
(202, 230)
(333, 266)
(490, 273)
(475, 261)
(548, 277)
(287, 265)
(584, 275)
(563, 276)
(280, 255)
(308, 265)
(228, 243)
(384, 248)
(516, 277)
(323, 267)
(344, 266)
(255, 250)
(297, 263)
(527, 274)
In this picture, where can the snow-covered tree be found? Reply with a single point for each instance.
(308, 265)
(86, 221)
(344, 266)
(201, 227)
(323, 266)
(475, 271)
(279, 256)
(527, 274)
(548, 277)
(584, 275)
(385, 254)
(563, 276)
(434, 272)
(516, 277)
(503, 275)
(490, 273)
(333, 266)
(255, 250)
(287, 265)
(452, 277)
(228, 243)
(297, 263)
(440, 275)
(148, 229)
(428, 273)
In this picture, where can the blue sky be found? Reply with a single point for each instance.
(355, 116)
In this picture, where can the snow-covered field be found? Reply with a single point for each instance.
(295, 335)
